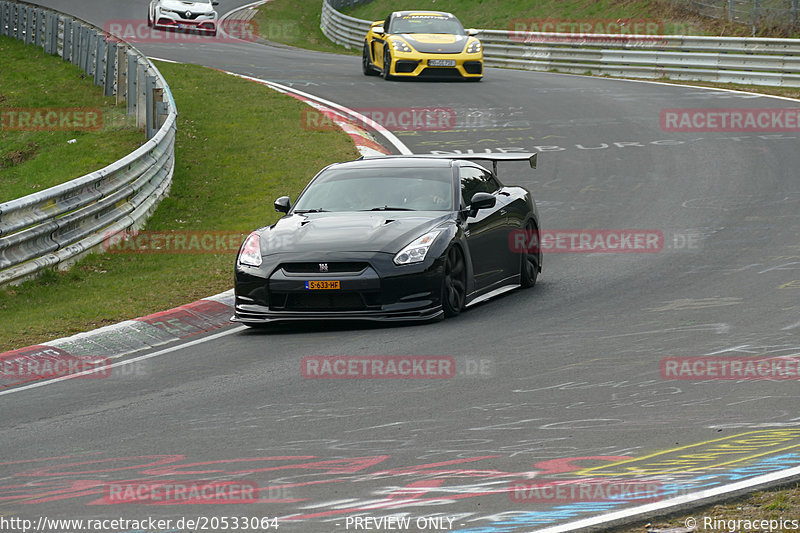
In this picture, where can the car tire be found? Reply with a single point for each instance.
(454, 282)
(366, 64)
(529, 260)
(387, 65)
(149, 20)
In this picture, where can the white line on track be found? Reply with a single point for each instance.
(159, 353)
(687, 500)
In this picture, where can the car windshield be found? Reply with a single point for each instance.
(379, 189)
(426, 24)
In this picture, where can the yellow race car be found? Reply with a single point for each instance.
(425, 44)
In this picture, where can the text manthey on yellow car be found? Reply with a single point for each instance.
(425, 44)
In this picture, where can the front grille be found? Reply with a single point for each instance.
(473, 67)
(191, 16)
(405, 65)
(440, 72)
(344, 301)
(345, 267)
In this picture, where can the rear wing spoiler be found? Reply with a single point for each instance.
(495, 158)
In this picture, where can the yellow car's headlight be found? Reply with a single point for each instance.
(474, 47)
(400, 45)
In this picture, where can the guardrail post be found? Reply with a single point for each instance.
(40, 27)
(150, 108)
(75, 56)
(92, 66)
(162, 108)
(51, 38)
(99, 59)
(731, 10)
(122, 69)
(66, 55)
(38, 18)
(84, 48)
(141, 95)
(131, 92)
(91, 47)
(3, 17)
(21, 10)
(109, 72)
(48, 32)
(794, 12)
(29, 25)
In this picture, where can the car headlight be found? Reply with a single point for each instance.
(250, 254)
(400, 45)
(474, 47)
(416, 251)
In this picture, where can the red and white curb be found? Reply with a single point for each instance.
(117, 340)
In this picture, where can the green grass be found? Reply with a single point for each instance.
(233, 158)
(31, 161)
(503, 14)
(296, 23)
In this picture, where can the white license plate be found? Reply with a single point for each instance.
(441, 62)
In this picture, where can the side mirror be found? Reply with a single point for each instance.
(481, 200)
(472, 32)
(378, 30)
(283, 204)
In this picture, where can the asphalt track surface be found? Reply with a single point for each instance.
(571, 369)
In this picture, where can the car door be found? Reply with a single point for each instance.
(378, 43)
(486, 229)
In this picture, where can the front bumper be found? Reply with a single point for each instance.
(415, 65)
(372, 288)
(198, 22)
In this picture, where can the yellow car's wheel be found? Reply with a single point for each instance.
(366, 64)
(387, 64)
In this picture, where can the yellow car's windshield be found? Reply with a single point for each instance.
(426, 24)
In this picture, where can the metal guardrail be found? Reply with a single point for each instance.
(60, 224)
(745, 60)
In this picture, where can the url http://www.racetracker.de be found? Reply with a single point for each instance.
(199, 523)
(713, 524)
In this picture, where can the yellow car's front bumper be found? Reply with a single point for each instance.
(436, 65)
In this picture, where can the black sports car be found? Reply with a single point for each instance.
(394, 238)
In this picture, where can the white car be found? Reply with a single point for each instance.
(196, 15)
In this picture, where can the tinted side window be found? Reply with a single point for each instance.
(475, 180)
(492, 185)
